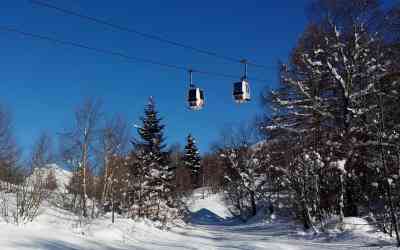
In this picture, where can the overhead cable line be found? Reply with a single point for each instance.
(146, 35)
(115, 53)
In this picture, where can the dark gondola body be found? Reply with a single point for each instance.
(241, 91)
(195, 98)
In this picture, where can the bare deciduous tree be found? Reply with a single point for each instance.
(114, 140)
(42, 153)
(78, 147)
(9, 152)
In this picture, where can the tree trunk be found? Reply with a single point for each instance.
(351, 206)
(105, 187)
(253, 204)
(93, 207)
(84, 175)
(307, 220)
(84, 195)
(341, 200)
(112, 207)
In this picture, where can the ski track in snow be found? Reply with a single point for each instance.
(211, 228)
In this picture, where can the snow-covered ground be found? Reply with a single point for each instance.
(211, 227)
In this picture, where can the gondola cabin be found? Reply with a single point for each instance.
(195, 98)
(241, 91)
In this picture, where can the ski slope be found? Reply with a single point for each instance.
(211, 227)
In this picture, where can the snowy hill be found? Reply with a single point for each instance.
(62, 176)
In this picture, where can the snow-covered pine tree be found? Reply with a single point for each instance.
(191, 160)
(158, 175)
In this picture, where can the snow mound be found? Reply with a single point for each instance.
(207, 208)
(356, 224)
(211, 205)
(351, 224)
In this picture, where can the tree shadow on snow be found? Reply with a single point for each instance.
(50, 245)
(60, 245)
(206, 217)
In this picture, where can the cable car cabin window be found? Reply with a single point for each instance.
(192, 95)
(238, 88)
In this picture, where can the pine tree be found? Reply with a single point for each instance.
(153, 158)
(151, 132)
(191, 159)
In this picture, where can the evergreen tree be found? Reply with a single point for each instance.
(191, 159)
(153, 159)
(151, 132)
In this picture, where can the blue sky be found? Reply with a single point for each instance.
(42, 83)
